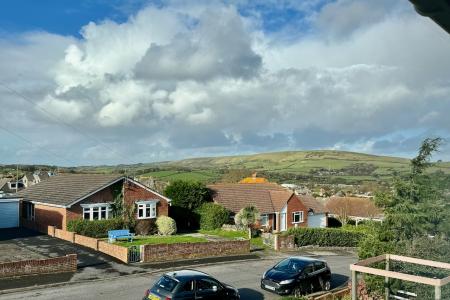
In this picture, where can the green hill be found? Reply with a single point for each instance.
(326, 166)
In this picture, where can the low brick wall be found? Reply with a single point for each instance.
(165, 252)
(333, 295)
(282, 242)
(119, 252)
(62, 264)
(65, 235)
(86, 241)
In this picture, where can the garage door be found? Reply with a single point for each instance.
(9, 214)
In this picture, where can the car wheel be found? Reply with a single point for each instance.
(326, 285)
(297, 292)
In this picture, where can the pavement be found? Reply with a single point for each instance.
(243, 274)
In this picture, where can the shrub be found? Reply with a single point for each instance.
(325, 237)
(166, 225)
(96, 228)
(212, 216)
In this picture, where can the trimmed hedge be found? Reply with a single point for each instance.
(326, 237)
(212, 216)
(95, 228)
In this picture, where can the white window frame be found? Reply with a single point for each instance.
(143, 205)
(300, 216)
(89, 209)
(266, 218)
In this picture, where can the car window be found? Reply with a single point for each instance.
(188, 286)
(309, 269)
(290, 266)
(319, 265)
(206, 284)
(166, 283)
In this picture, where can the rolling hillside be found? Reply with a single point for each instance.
(295, 166)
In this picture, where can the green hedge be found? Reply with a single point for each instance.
(325, 237)
(212, 216)
(96, 228)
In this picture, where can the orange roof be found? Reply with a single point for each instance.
(254, 180)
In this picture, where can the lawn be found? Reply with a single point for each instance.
(157, 239)
(225, 234)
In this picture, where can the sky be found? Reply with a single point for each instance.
(109, 82)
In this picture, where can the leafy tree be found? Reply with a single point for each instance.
(416, 222)
(186, 197)
(247, 218)
(187, 194)
(212, 216)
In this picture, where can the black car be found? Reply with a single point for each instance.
(190, 284)
(297, 276)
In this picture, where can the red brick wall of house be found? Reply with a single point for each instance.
(45, 215)
(133, 193)
(294, 204)
(104, 196)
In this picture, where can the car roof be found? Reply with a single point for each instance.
(184, 275)
(305, 259)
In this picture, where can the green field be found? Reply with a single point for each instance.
(322, 166)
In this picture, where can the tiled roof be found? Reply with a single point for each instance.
(4, 181)
(354, 207)
(311, 203)
(266, 197)
(65, 189)
(280, 198)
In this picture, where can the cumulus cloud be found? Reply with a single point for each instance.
(205, 79)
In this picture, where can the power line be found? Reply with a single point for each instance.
(59, 120)
(34, 145)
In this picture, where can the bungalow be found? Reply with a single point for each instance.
(353, 208)
(66, 197)
(279, 207)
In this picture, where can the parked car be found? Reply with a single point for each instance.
(297, 276)
(190, 284)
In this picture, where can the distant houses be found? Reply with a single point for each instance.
(353, 208)
(10, 185)
(280, 208)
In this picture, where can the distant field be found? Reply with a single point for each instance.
(292, 166)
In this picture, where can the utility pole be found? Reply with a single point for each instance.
(17, 177)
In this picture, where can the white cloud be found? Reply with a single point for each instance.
(185, 80)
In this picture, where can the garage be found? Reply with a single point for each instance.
(9, 213)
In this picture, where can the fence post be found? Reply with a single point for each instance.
(386, 280)
(437, 292)
(354, 285)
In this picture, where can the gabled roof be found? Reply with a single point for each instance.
(65, 189)
(311, 203)
(29, 176)
(266, 197)
(4, 181)
(353, 207)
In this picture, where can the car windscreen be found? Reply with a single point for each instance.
(166, 283)
(290, 265)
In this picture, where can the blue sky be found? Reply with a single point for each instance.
(107, 82)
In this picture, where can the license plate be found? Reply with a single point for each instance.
(153, 297)
(270, 287)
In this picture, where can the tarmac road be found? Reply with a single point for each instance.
(245, 275)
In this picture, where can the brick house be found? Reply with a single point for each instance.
(66, 197)
(279, 207)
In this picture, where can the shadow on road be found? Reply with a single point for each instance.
(249, 294)
(34, 280)
(338, 280)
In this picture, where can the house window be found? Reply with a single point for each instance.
(146, 209)
(264, 220)
(96, 211)
(28, 209)
(297, 217)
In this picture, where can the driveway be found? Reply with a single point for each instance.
(22, 244)
(244, 275)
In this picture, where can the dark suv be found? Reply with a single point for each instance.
(297, 276)
(190, 284)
